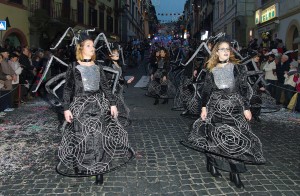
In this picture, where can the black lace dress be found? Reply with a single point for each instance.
(225, 136)
(158, 87)
(123, 109)
(94, 143)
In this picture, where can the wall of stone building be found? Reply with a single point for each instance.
(286, 29)
(289, 20)
(18, 18)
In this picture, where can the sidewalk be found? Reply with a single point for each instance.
(30, 136)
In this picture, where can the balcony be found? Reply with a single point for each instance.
(54, 10)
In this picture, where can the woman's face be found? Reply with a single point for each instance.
(223, 51)
(162, 53)
(115, 55)
(157, 53)
(256, 59)
(14, 59)
(88, 49)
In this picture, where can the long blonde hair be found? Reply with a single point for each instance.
(79, 48)
(214, 58)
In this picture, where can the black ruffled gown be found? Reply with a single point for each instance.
(94, 143)
(225, 136)
(123, 109)
(157, 87)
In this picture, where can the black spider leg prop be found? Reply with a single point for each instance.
(47, 69)
(238, 54)
(199, 82)
(235, 44)
(62, 37)
(203, 44)
(178, 53)
(122, 55)
(102, 37)
(59, 77)
(256, 72)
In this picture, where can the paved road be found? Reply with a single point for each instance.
(30, 136)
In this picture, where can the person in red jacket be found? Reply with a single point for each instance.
(297, 80)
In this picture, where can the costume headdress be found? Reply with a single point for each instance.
(82, 35)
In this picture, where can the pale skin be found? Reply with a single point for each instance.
(88, 51)
(223, 56)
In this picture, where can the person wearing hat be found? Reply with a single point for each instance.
(289, 83)
(270, 74)
(93, 141)
(3, 76)
(15, 65)
(6, 69)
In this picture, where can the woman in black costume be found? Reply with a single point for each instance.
(258, 88)
(223, 132)
(123, 109)
(93, 141)
(160, 85)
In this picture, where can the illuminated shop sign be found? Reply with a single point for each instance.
(257, 16)
(267, 14)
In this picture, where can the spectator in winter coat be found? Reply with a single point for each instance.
(270, 74)
(289, 83)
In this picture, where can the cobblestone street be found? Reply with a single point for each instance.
(30, 136)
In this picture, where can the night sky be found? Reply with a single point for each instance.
(167, 7)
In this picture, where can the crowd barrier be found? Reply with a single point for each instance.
(8, 99)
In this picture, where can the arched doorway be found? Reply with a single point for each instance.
(295, 35)
(15, 38)
(292, 34)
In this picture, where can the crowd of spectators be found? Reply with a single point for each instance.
(19, 70)
(281, 68)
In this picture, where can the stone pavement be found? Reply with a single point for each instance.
(30, 136)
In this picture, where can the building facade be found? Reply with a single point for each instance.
(38, 23)
(275, 19)
(133, 19)
(17, 32)
(235, 18)
(203, 18)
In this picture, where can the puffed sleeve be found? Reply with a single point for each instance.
(245, 89)
(69, 87)
(207, 89)
(104, 84)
